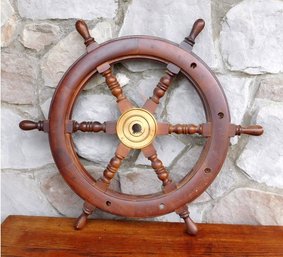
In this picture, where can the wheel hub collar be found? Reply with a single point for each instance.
(136, 128)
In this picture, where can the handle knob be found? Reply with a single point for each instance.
(192, 228)
(196, 29)
(82, 28)
(253, 130)
(41, 125)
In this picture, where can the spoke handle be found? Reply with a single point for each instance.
(42, 125)
(196, 29)
(253, 130)
(184, 213)
(83, 30)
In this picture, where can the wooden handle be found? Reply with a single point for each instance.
(184, 213)
(196, 29)
(253, 130)
(84, 32)
(82, 219)
(30, 125)
(192, 228)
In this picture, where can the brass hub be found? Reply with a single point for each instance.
(136, 128)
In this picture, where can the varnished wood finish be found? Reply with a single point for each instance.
(113, 84)
(178, 58)
(108, 127)
(161, 88)
(82, 219)
(84, 32)
(185, 129)
(161, 172)
(165, 128)
(42, 125)
(159, 169)
(115, 163)
(112, 168)
(43, 236)
(89, 126)
(189, 41)
(252, 130)
(104, 182)
(197, 28)
(100, 59)
(115, 87)
(184, 213)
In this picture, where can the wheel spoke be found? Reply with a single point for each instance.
(123, 103)
(162, 173)
(161, 88)
(113, 166)
(108, 127)
(164, 128)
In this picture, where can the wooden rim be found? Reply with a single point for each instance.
(211, 158)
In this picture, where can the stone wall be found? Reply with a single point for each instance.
(243, 44)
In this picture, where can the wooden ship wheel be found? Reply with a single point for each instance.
(137, 127)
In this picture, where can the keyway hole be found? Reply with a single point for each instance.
(136, 128)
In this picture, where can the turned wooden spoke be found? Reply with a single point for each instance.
(114, 164)
(204, 129)
(186, 129)
(88, 126)
(161, 88)
(162, 173)
(123, 103)
(108, 127)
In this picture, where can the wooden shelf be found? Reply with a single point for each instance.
(44, 236)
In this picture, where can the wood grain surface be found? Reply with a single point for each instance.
(44, 236)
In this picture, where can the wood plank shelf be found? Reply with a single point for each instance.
(45, 236)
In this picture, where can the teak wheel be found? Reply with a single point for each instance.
(137, 128)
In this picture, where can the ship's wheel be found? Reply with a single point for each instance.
(137, 127)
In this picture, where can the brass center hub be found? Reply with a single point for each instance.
(136, 128)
